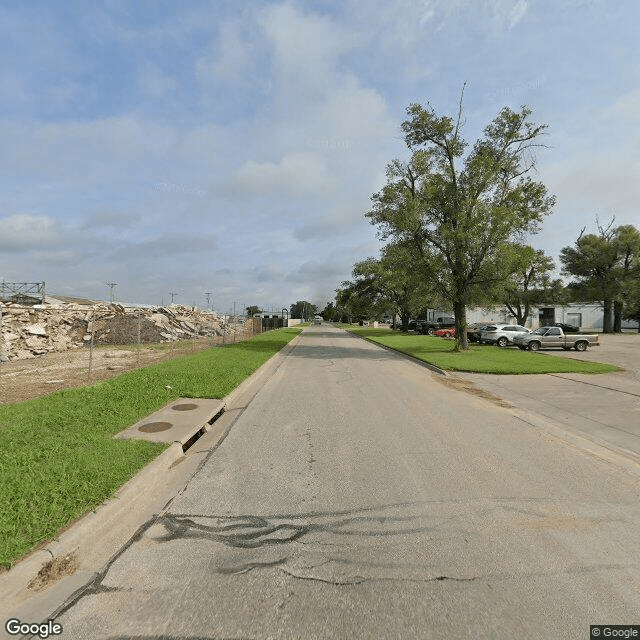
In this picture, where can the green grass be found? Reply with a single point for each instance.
(480, 358)
(57, 456)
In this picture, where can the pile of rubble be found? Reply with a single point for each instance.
(27, 332)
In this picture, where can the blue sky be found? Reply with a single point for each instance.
(234, 147)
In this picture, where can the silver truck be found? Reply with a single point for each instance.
(553, 337)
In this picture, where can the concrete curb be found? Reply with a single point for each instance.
(113, 522)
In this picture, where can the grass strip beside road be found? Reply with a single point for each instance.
(58, 459)
(479, 358)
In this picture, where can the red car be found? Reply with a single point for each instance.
(446, 333)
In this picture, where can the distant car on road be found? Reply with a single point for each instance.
(446, 333)
(567, 328)
(502, 334)
(317, 320)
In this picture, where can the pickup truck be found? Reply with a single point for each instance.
(554, 337)
(430, 326)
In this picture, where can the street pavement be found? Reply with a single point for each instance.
(357, 496)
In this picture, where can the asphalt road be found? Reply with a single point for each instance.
(356, 496)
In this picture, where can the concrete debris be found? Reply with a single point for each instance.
(26, 332)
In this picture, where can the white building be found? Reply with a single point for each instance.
(587, 315)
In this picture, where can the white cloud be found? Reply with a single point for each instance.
(227, 58)
(305, 46)
(154, 83)
(297, 174)
(168, 244)
(102, 149)
(104, 218)
(23, 232)
(626, 108)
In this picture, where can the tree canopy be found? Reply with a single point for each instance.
(604, 266)
(252, 310)
(303, 310)
(461, 209)
(528, 282)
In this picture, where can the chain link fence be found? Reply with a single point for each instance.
(45, 349)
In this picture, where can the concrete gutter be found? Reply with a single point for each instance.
(97, 537)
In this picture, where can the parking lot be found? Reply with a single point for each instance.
(604, 408)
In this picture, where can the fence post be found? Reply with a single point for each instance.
(139, 341)
(91, 348)
(2, 353)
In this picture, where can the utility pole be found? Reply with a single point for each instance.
(172, 296)
(234, 308)
(208, 294)
(111, 285)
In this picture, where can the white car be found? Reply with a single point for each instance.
(502, 334)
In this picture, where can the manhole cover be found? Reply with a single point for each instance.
(154, 427)
(184, 407)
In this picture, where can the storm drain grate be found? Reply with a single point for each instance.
(192, 440)
(154, 427)
(184, 407)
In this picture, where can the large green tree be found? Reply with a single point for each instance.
(463, 207)
(252, 310)
(356, 300)
(303, 310)
(627, 303)
(603, 266)
(528, 282)
(399, 279)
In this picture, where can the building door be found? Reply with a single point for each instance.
(547, 316)
(574, 319)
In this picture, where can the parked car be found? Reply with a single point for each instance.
(446, 333)
(502, 334)
(429, 327)
(553, 337)
(567, 328)
(474, 331)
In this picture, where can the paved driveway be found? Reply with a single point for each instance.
(605, 407)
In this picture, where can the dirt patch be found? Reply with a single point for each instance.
(53, 571)
(22, 380)
(469, 387)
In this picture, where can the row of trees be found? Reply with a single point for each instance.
(455, 222)
(300, 309)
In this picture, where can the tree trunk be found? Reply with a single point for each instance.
(460, 314)
(607, 326)
(617, 316)
(405, 322)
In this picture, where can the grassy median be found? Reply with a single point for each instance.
(58, 459)
(479, 358)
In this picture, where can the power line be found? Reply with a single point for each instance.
(111, 285)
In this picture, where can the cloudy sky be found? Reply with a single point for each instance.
(233, 147)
